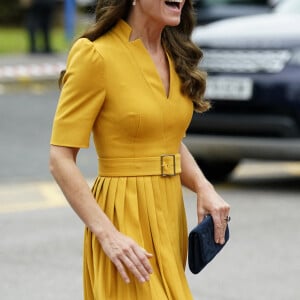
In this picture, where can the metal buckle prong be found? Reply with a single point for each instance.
(162, 157)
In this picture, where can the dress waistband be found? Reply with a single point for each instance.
(164, 165)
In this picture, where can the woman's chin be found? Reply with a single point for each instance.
(174, 21)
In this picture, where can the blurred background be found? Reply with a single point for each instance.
(67, 19)
(248, 145)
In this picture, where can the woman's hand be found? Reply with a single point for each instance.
(125, 253)
(210, 202)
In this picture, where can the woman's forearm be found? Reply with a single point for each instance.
(191, 175)
(76, 190)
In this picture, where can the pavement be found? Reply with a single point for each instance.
(41, 244)
(24, 68)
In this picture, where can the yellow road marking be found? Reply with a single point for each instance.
(52, 194)
(30, 196)
(267, 169)
(293, 168)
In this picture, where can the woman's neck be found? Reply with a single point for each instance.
(147, 31)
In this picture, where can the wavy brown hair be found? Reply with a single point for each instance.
(176, 41)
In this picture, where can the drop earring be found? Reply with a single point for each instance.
(134, 2)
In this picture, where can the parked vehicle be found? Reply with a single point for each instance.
(208, 11)
(253, 66)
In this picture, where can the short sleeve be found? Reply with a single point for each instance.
(81, 98)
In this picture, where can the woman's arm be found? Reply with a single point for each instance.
(208, 200)
(122, 250)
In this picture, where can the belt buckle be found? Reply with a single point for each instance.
(162, 157)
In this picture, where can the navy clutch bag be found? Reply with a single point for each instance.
(201, 245)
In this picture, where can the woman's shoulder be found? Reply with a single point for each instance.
(102, 46)
(106, 46)
(82, 49)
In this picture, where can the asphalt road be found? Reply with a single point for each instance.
(25, 123)
(41, 238)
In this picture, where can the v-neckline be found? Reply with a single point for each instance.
(154, 70)
(147, 64)
(166, 92)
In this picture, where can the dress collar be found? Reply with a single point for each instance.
(123, 30)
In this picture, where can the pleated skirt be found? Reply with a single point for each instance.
(149, 209)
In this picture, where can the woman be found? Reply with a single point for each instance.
(133, 81)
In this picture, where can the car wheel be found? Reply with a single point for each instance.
(216, 170)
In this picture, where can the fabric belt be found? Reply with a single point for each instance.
(164, 165)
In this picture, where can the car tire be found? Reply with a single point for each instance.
(216, 170)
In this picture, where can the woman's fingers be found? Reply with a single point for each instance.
(221, 218)
(210, 202)
(121, 270)
(136, 269)
(131, 257)
(220, 228)
(137, 262)
(143, 256)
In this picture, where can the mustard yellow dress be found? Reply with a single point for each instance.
(112, 89)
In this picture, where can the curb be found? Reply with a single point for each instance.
(24, 73)
(24, 68)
